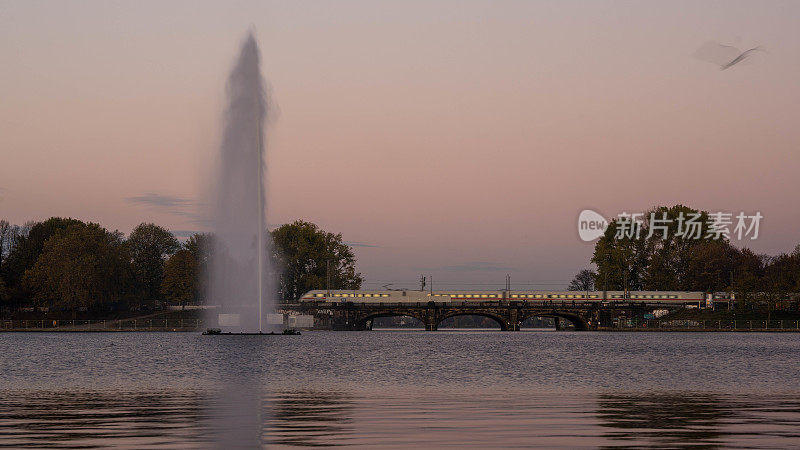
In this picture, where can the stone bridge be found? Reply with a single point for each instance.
(508, 315)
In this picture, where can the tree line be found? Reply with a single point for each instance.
(66, 263)
(685, 263)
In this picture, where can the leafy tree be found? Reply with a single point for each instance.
(652, 261)
(185, 271)
(180, 277)
(748, 269)
(583, 281)
(4, 293)
(28, 246)
(709, 267)
(307, 256)
(620, 262)
(200, 246)
(149, 246)
(781, 276)
(80, 266)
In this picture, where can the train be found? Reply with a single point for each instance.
(458, 297)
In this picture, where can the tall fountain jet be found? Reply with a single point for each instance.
(239, 278)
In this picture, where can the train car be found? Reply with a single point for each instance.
(696, 299)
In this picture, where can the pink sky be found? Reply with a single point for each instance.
(456, 139)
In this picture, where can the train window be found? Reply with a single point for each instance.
(319, 295)
(538, 295)
(492, 295)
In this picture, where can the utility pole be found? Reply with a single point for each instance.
(625, 281)
(328, 276)
(730, 294)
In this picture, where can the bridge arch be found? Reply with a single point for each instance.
(365, 322)
(576, 320)
(502, 322)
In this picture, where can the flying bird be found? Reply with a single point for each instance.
(725, 56)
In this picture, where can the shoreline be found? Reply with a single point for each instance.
(600, 330)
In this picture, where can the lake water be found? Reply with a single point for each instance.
(400, 389)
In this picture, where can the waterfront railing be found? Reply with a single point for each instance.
(104, 325)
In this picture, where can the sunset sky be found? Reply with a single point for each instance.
(456, 139)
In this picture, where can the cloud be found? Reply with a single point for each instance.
(360, 244)
(170, 204)
(160, 200)
(478, 266)
(184, 233)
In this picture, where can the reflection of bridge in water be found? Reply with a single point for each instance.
(508, 315)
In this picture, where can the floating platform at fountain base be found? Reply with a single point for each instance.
(218, 332)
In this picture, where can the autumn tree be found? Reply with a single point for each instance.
(28, 244)
(185, 272)
(654, 254)
(307, 257)
(180, 276)
(149, 246)
(82, 265)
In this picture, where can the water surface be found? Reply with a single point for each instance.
(400, 389)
